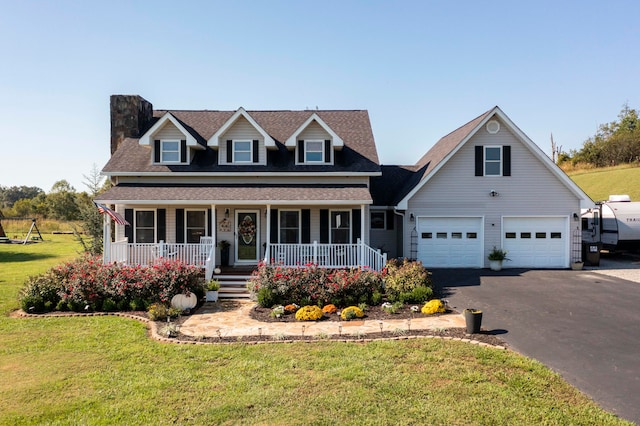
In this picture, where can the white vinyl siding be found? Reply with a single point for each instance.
(531, 190)
(169, 131)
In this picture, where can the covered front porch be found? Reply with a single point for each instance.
(330, 230)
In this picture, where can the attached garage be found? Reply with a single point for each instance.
(536, 242)
(450, 242)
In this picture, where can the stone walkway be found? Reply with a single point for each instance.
(231, 318)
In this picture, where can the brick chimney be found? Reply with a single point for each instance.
(130, 116)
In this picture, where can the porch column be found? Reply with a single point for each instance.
(106, 239)
(267, 251)
(362, 231)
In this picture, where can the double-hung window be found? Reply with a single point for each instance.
(170, 151)
(196, 225)
(341, 227)
(145, 226)
(289, 226)
(493, 161)
(314, 151)
(242, 151)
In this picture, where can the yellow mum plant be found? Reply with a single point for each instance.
(434, 306)
(309, 313)
(351, 312)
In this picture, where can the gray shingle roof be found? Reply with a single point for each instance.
(359, 153)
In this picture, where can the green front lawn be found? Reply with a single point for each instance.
(105, 370)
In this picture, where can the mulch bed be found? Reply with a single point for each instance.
(373, 313)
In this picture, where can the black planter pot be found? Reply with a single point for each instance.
(473, 318)
(224, 256)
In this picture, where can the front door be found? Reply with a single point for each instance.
(247, 236)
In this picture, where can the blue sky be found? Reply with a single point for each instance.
(421, 69)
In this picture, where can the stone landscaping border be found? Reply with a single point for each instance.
(152, 327)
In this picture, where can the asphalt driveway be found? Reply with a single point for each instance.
(582, 324)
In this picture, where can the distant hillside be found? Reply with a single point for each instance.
(600, 183)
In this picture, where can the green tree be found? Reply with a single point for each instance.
(61, 201)
(91, 235)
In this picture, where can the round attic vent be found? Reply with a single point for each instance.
(493, 127)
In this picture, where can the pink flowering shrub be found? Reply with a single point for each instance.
(86, 281)
(310, 285)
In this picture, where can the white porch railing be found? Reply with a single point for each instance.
(326, 255)
(145, 254)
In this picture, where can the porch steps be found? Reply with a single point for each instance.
(233, 286)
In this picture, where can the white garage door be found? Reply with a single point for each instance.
(536, 242)
(450, 242)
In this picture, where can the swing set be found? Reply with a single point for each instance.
(5, 239)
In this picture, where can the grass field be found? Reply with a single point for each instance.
(600, 183)
(105, 371)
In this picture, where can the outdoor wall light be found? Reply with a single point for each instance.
(412, 217)
(576, 217)
(494, 193)
(226, 213)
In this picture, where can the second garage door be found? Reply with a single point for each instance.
(450, 242)
(536, 242)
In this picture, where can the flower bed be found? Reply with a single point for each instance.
(87, 284)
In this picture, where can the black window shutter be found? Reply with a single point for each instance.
(162, 224)
(327, 151)
(300, 151)
(210, 226)
(391, 220)
(156, 151)
(229, 151)
(179, 225)
(356, 220)
(506, 160)
(183, 151)
(256, 157)
(273, 238)
(306, 226)
(128, 230)
(479, 160)
(324, 226)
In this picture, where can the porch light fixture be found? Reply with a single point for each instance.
(494, 193)
(226, 213)
(575, 217)
(412, 218)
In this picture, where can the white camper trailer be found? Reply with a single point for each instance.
(614, 223)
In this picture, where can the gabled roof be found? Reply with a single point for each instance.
(292, 140)
(268, 140)
(359, 154)
(192, 139)
(450, 144)
(389, 188)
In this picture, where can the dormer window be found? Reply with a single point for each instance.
(170, 151)
(314, 151)
(242, 152)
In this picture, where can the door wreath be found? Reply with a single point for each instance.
(247, 229)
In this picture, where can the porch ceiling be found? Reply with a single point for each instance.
(236, 194)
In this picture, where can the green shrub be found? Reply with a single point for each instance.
(405, 277)
(266, 298)
(108, 305)
(138, 304)
(32, 303)
(418, 295)
(376, 298)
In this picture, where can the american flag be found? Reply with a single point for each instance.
(117, 217)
